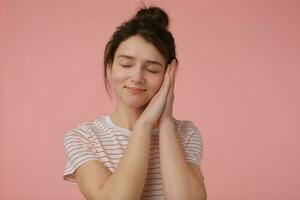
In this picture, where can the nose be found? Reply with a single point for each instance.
(137, 75)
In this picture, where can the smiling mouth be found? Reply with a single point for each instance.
(135, 90)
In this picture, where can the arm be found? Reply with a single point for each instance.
(127, 181)
(181, 179)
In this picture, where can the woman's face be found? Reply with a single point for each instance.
(137, 64)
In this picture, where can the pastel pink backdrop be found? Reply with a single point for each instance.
(238, 80)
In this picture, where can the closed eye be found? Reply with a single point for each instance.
(154, 72)
(126, 66)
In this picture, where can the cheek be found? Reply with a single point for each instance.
(118, 78)
(157, 82)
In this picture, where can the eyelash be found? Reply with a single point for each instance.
(126, 66)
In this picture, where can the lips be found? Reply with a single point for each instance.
(135, 90)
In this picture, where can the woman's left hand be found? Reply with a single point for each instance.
(167, 113)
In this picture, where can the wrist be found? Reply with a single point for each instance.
(167, 122)
(143, 124)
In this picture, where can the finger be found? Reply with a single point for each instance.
(166, 82)
(170, 95)
(176, 69)
(172, 74)
(170, 91)
(168, 69)
(175, 66)
(165, 85)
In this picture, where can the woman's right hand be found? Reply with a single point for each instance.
(152, 112)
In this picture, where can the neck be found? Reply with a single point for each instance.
(126, 116)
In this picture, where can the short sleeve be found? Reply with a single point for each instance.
(193, 143)
(79, 149)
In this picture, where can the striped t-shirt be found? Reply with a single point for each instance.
(101, 139)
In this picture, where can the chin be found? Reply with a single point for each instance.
(135, 102)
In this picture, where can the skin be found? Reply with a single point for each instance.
(154, 107)
(137, 72)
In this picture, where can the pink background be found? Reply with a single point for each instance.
(238, 80)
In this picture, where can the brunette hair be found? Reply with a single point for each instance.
(152, 24)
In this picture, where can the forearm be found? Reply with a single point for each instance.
(179, 179)
(128, 180)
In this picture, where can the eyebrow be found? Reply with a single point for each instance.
(147, 61)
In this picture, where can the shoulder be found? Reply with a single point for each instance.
(85, 129)
(186, 126)
(188, 130)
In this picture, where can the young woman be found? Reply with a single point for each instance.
(140, 151)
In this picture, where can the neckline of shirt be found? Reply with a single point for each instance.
(108, 119)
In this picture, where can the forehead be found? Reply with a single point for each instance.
(140, 49)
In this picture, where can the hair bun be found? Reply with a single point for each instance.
(153, 14)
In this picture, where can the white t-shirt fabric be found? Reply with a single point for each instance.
(100, 139)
